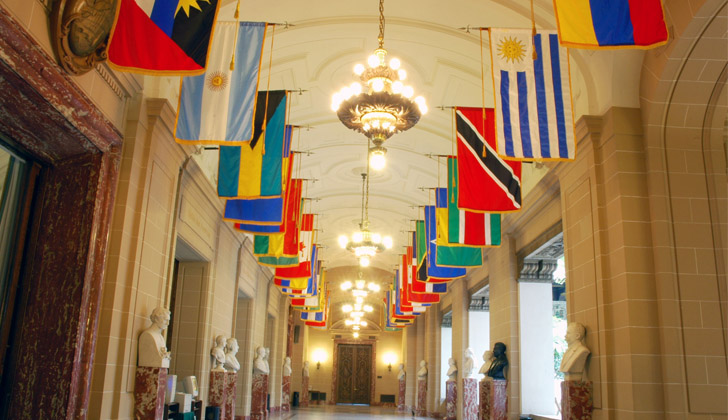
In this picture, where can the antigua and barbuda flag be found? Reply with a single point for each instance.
(161, 37)
(448, 255)
(598, 24)
(533, 107)
(488, 182)
(218, 106)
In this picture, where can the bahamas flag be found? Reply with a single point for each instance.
(161, 36)
(611, 23)
(255, 169)
(457, 227)
(217, 107)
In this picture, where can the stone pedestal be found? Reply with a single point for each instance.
(304, 391)
(217, 396)
(286, 397)
(576, 400)
(451, 400)
(258, 409)
(401, 396)
(493, 400)
(150, 387)
(470, 398)
(421, 410)
(231, 389)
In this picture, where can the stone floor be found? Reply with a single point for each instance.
(342, 412)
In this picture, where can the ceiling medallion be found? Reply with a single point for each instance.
(379, 105)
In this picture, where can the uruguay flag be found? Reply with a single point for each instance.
(533, 109)
(217, 107)
(162, 37)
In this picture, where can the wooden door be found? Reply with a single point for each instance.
(354, 374)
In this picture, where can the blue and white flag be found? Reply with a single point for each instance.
(533, 107)
(218, 106)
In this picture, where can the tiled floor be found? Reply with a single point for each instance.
(343, 412)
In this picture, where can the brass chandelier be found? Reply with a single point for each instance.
(379, 105)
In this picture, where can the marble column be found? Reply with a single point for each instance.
(286, 397)
(304, 391)
(451, 400)
(401, 396)
(217, 396)
(150, 387)
(493, 400)
(576, 400)
(258, 409)
(421, 397)
(231, 388)
(470, 398)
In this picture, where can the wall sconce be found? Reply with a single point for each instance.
(319, 356)
(390, 359)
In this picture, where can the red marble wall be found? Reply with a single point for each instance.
(43, 111)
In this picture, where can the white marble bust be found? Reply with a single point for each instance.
(218, 354)
(422, 373)
(267, 355)
(469, 365)
(488, 359)
(231, 361)
(259, 364)
(287, 366)
(401, 375)
(152, 346)
(305, 369)
(574, 360)
(452, 371)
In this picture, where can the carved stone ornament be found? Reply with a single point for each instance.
(80, 32)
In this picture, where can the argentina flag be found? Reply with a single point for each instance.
(533, 106)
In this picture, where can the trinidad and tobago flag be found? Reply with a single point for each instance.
(162, 36)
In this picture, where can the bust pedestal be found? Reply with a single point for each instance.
(286, 397)
(304, 391)
(451, 400)
(150, 387)
(401, 396)
(470, 399)
(231, 389)
(218, 392)
(576, 400)
(421, 410)
(258, 409)
(493, 399)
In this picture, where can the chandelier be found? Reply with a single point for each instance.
(365, 244)
(379, 105)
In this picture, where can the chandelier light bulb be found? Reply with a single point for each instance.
(347, 308)
(356, 334)
(359, 300)
(346, 92)
(356, 319)
(348, 322)
(376, 238)
(357, 236)
(373, 61)
(346, 285)
(364, 261)
(423, 109)
(359, 293)
(355, 328)
(394, 63)
(360, 284)
(407, 92)
(357, 307)
(357, 315)
(355, 88)
(397, 87)
(402, 74)
(368, 308)
(377, 85)
(343, 241)
(364, 324)
(387, 241)
(359, 69)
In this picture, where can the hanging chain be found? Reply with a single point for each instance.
(363, 182)
(381, 24)
(366, 205)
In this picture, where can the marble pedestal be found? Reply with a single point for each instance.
(421, 410)
(258, 409)
(451, 400)
(150, 387)
(576, 400)
(470, 398)
(304, 391)
(493, 400)
(401, 396)
(286, 397)
(231, 389)
(217, 396)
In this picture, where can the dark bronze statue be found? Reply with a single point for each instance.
(500, 361)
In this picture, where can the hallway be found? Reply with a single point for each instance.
(342, 412)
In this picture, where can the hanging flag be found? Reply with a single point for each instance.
(162, 37)
(611, 24)
(534, 114)
(461, 227)
(447, 255)
(410, 294)
(488, 183)
(305, 245)
(317, 277)
(456, 260)
(284, 244)
(255, 169)
(422, 286)
(423, 257)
